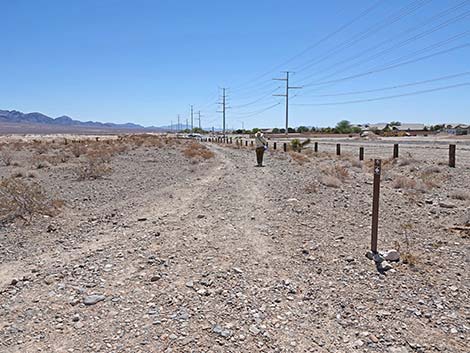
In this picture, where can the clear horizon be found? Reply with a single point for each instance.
(367, 62)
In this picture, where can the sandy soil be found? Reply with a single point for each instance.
(193, 255)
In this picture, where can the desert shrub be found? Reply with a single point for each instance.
(22, 200)
(299, 157)
(78, 149)
(403, 182)
(297, 145)
(461, 195)
(338, 171)
(6, 157)
(93, 168)
(102, 155)
(311, 188)
(330, 181)
(195, 150)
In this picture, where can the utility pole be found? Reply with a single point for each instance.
(192, 123)
(287, 96)
(224, 107)
(199, 118)
(179, 126)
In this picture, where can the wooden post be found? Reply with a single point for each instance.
(375, 205)
(246, 143)
(338, 149)
(452, 156)
(315, 148)
(395, 150)
(274, 145)
(361, 153)
(251, 143)
(285, 147)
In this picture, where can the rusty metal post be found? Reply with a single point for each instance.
(274, 145)
(315, 148)
(361, 153)
(452, 156)
(285, 147)
(395, 150)
(375, 205)
(338, 149)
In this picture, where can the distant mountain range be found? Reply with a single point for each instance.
(16, 117)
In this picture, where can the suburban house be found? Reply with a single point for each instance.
(458, 129)
(412, 129)
(403, 129)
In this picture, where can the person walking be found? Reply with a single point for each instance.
(261, 145)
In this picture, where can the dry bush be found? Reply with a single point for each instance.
(461, 195)
(403, 182)
(102, 155)
(334, 176)
(432, 177)
(22, 200)
(299, 157)
(6, 157)
(195, 150)
(330, 181)
(78, 149)
(40, 147)
(311, 188)
(93, 168)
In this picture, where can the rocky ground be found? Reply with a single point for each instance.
(176, 253)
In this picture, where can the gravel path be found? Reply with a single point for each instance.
(167, 255)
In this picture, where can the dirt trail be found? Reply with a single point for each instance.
(225, 257)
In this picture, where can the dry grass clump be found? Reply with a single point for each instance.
(22, 200)
(195, 150)
(330, 181)
(93, 168)
(404, 183)
(299, 157)
(6, 157)
(78, 149)
(311, 188)
(334, 176)
(461, 195)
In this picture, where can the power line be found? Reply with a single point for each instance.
(393, 87)
(269, 94)
(402, 13)
(398, 45)
(257, 112)
(385, 68)
(316, 44)
(387, 97)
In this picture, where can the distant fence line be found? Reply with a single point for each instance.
(395, 154)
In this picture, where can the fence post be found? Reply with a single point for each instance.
(274, 145)
(395, 150)
(338, 149)
(285, 147)
(375, 205)
(246, 143)
(452, 156)
(251, 143)
(361, 153)
(315, 148)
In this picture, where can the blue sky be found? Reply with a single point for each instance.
(147, 61)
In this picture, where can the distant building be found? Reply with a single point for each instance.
(374, 127)
(457, 129)
(412, 129)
